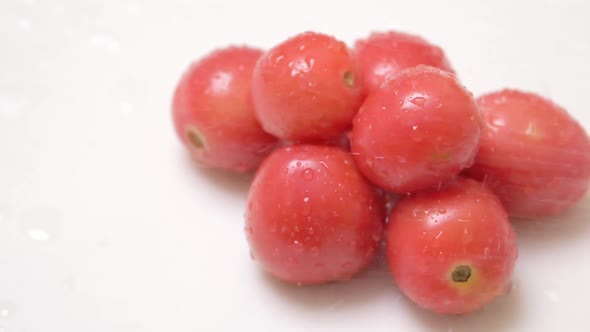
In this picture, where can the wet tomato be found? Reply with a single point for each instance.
(305, 88)
(213, 111)
(312, 217)
(451, 250)
(532, 154)
(419, 130)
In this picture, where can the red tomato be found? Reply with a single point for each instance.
(384, 54)
(532, 154)
(312, 217)
(214, 115)
(451, 251)
(305, 89)
(419, 130)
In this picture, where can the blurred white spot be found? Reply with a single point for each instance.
(552, 295)
(499, 122)
(11, 106)
(126, 107)
(7, 309)
(41, 224)
(24, 24)
(220, 82)
(300, 66)
(104, 42)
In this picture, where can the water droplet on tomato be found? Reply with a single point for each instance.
(418, 101)
(314, 251)
(442, 210)
(346, 265)
(376, 236)
(308, 174)
(298, 246)
(416, 212)
(370, 252)
(298, 164)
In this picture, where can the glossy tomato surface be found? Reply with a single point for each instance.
(312, 217)
(305, 88)
(532, 154)
(213, 111)
(382, 55)
(451, 250)
(419, 130)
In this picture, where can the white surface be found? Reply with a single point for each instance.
(106, 226)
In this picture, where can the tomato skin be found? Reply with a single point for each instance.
(213, 112)
(382, 55)
(311, 215)
(532, 154)
(432, 232)
(305, 89)
(419, 130)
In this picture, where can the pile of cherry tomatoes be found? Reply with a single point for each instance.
(381, 144)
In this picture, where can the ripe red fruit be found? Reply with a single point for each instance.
(419, 130)
(384, 54)
(305, 89)
(451, 250)
(213, 111)
(312, 217)
(532, 154)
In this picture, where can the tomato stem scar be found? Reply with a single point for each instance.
(461, 273)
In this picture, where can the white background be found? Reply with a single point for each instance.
(105, 225)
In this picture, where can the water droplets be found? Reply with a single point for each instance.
(306, 206)
(41, 224)
(298, 246)
(401, 160)
(301, 66)
(414, 128)
(346, 265)
(291, 261)
(307, 175)
(442, 211)
(418, 101)
(314, 251)
(376, 236)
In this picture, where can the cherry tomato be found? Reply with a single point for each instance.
(532, 154)
(305, 89)
(419, 130)
(214, 115)
(451, 250)
(384, 54)
(312, 217)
